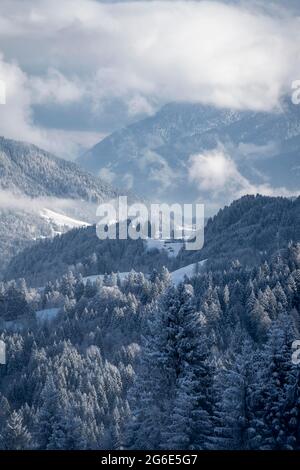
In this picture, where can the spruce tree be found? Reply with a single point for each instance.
(233, 410)
(16, 435)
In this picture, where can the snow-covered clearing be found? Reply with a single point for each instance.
(47, 314)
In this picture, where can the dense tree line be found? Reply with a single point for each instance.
(250, 229)
(81, 251)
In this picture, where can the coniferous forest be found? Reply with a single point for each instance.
(141, 363)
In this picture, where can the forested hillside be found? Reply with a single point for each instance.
(32, 180)
(81, 251)
(212, 358)
(29, 170)
(249, 230)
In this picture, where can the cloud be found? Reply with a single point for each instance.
(250, 151)
(139, 105)
(16, 114)
(141, 54)
(55, 88)
(10, 200)
(127, 181)
(200, 51)
(17, 118)
(107, 175)
(216, 175)
(68, 143)
(157, 169)
(215, 171)
(77, 209)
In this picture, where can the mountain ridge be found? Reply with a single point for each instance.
(44, 174)
(32, 181)
(152, 155)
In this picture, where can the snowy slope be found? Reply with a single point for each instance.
(187, 271)
(100, 277)
(176, 276)
(61, 220)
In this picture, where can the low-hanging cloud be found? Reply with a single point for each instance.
(12, 201)
(77, 209)
(215, 173)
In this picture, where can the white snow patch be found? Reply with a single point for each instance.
(13, 325)
(100, 277)
(62, 220)
(176, 276)
(188, 271)
(47, 314)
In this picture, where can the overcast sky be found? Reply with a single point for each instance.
(76, 70)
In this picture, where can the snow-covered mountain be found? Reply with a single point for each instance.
(28, 170)
(152, 155)
(42, 195)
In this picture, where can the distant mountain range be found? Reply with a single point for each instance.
(152, 155)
